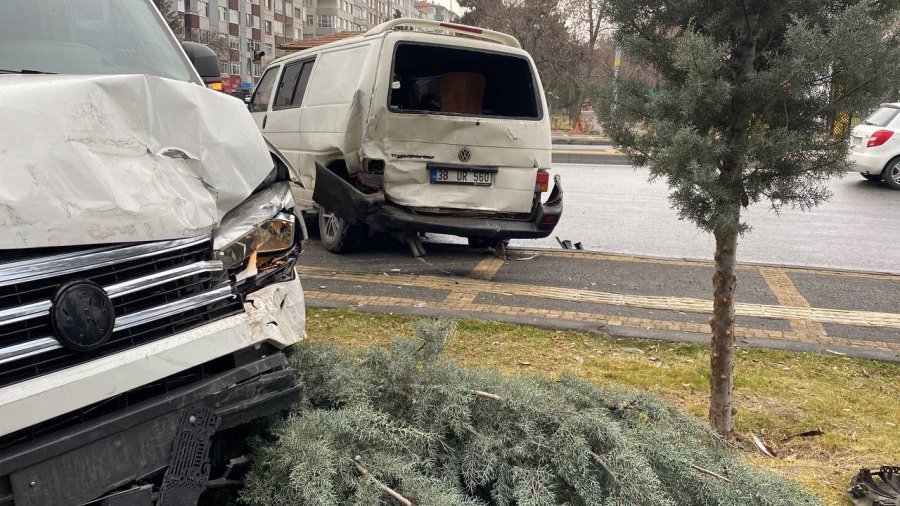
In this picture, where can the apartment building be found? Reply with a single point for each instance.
(241, 28)
(436, 12)
(238, 29)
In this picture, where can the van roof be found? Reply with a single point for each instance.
(416, 26)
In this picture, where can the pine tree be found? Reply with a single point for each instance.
(741, 110)
(407, 426)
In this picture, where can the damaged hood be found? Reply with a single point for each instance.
(122, 158)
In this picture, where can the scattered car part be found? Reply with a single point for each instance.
(866, 491)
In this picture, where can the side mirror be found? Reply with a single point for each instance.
(206, 61)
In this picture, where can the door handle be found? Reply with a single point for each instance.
(264, 121)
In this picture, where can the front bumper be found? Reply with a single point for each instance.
(337, 195)
(80, 463)
(274, 314)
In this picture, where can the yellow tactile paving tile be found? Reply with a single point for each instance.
(464, 285)
(600, 319)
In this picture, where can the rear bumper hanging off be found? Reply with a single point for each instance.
(344, 200)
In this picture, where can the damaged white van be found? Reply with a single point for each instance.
(416, 126)
(147, 252)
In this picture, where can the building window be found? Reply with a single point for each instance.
(268, 49)
(279, 6)
(298, 33)
(309, 20)
(307, 3)
(223, 13)
(325, 21)
(235, 68)
(256, 69)
(268, 5)
(307, 36)
(298, 13)
(252, 46)
(234, 16)
(234, 42)
(268, 28)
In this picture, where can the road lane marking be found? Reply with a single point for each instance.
(363, 301)
(821, 315)
(788, 295)
(485, 271)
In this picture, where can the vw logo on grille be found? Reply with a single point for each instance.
(82, 316)
(464, 154)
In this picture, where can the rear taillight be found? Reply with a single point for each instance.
(879, 138)
(542, 182)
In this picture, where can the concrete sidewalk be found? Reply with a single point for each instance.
(856, 314)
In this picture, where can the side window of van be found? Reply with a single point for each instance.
(293, 84)
(263, 94)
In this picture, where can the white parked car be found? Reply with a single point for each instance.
(875, 145)
(416, 126)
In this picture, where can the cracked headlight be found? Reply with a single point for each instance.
(256, 235)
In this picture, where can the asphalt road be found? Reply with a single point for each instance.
(615, 209)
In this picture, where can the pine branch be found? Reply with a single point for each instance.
(598, 459)
(710, 473)
(486, 395)
(386, 489)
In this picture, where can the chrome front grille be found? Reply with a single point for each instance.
(157, 289)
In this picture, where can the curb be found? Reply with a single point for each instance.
(582, 141)
(591, 157)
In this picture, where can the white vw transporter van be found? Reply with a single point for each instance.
(414, 126)
(147, 252)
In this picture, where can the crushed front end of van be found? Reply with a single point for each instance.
(147, 253)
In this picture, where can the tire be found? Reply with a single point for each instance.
(892, 174)
(337, 235)
(872, 177)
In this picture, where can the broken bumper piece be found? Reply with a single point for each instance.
(867, 491)
(343, 199)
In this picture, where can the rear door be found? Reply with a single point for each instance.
(466, 128)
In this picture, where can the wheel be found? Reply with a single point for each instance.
(872, 177)
(337, 235)
(892, 174)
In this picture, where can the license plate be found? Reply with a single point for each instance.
(857, 141)
(472, 177)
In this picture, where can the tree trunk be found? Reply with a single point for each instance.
(576, 97)
(721, 384)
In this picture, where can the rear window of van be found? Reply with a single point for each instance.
(446, 80)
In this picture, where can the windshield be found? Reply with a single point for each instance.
(882, 116)
(88, 37)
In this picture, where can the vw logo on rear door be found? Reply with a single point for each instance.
(464, 154)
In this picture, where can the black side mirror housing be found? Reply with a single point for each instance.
(205, 60)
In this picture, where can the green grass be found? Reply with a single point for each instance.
(854, 402)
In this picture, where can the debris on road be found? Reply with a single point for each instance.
(809, 433)
(763, 448)
(567, 244)
(866, 491)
